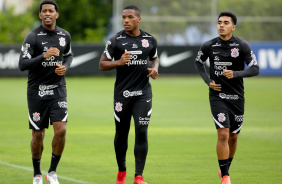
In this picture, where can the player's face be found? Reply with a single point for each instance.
(225, 27)
(48, 15)
(130, 20)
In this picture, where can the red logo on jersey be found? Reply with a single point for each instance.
(145, 43)
(234, 52)
(62, 41)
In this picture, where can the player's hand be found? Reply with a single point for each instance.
(125, 58)
(228, 74)
(153, 73)
(60, 70)
(214, 86)
(52, 51)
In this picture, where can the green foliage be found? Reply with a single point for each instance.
(85, 20)
(13, 27)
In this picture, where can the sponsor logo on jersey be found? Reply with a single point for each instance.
(216, 58)
(239, 118)
(234, 52)
(228, 97)
(63, 104)
(60, 33)
(145, 43)
(234, 44)
(121, 37)
(46, 90)
(36, 116)
(134, 59)
(144, 121)
(118, 107)
(41, 33)
(147, 36)
(25, 50)
(200, 53)
(127, 93)
(135, 46)
(221, 117)
(216, 45)
(62, 41)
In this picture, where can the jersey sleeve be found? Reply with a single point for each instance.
(68, 56)
(27, 59)
(200, 61)
(109, 48)
(154, 53)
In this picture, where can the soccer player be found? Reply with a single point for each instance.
(227, 55)
(46, 54)
(133, 53)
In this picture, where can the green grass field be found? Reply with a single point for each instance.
(182, 136)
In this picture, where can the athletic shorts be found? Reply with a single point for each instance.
(40, 111)
(140, 109)
(227, 113)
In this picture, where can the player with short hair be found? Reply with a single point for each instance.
(133, 53)
(46, 54)
(227, 55)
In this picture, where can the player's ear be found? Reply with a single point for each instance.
(139, 19)
(40, 16)
(234, 27)
(57, 15)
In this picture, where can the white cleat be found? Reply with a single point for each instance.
(37, 179)
(52, 178)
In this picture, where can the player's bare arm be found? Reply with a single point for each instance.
(154, 69)
(107, 64)
(214, 86)
(228, 74)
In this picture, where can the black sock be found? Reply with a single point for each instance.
(229, 162)
(223, 164)
(36, 167)
(54, 162)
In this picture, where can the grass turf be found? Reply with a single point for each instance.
(182, 136)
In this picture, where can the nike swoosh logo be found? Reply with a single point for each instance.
(78, 60)
(148, 100)
(167, 61)
(125, 43)
(44, 43)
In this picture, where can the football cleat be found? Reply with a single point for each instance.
(37, 179)
(121, 177)
(225, 180)
(139, 180)
(52, 178)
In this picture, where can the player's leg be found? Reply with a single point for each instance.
(38, 121)
(237, 113)
(142, 113)
(122, 115)
(222, 122)
(58, 117)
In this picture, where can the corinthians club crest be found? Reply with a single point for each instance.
(118, 107)
(36, 116)
(234, 52)
(62, 41)
(145, 43)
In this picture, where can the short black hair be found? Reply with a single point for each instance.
(133, 7)
(49, 2)
(229, 14)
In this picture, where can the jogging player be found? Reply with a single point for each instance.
(46, 54)
(227, 55)
(133, 53)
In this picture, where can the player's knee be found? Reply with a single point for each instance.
(38, 135)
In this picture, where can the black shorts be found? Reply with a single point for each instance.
(227, 113)
(139, 108)
(40, 111)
